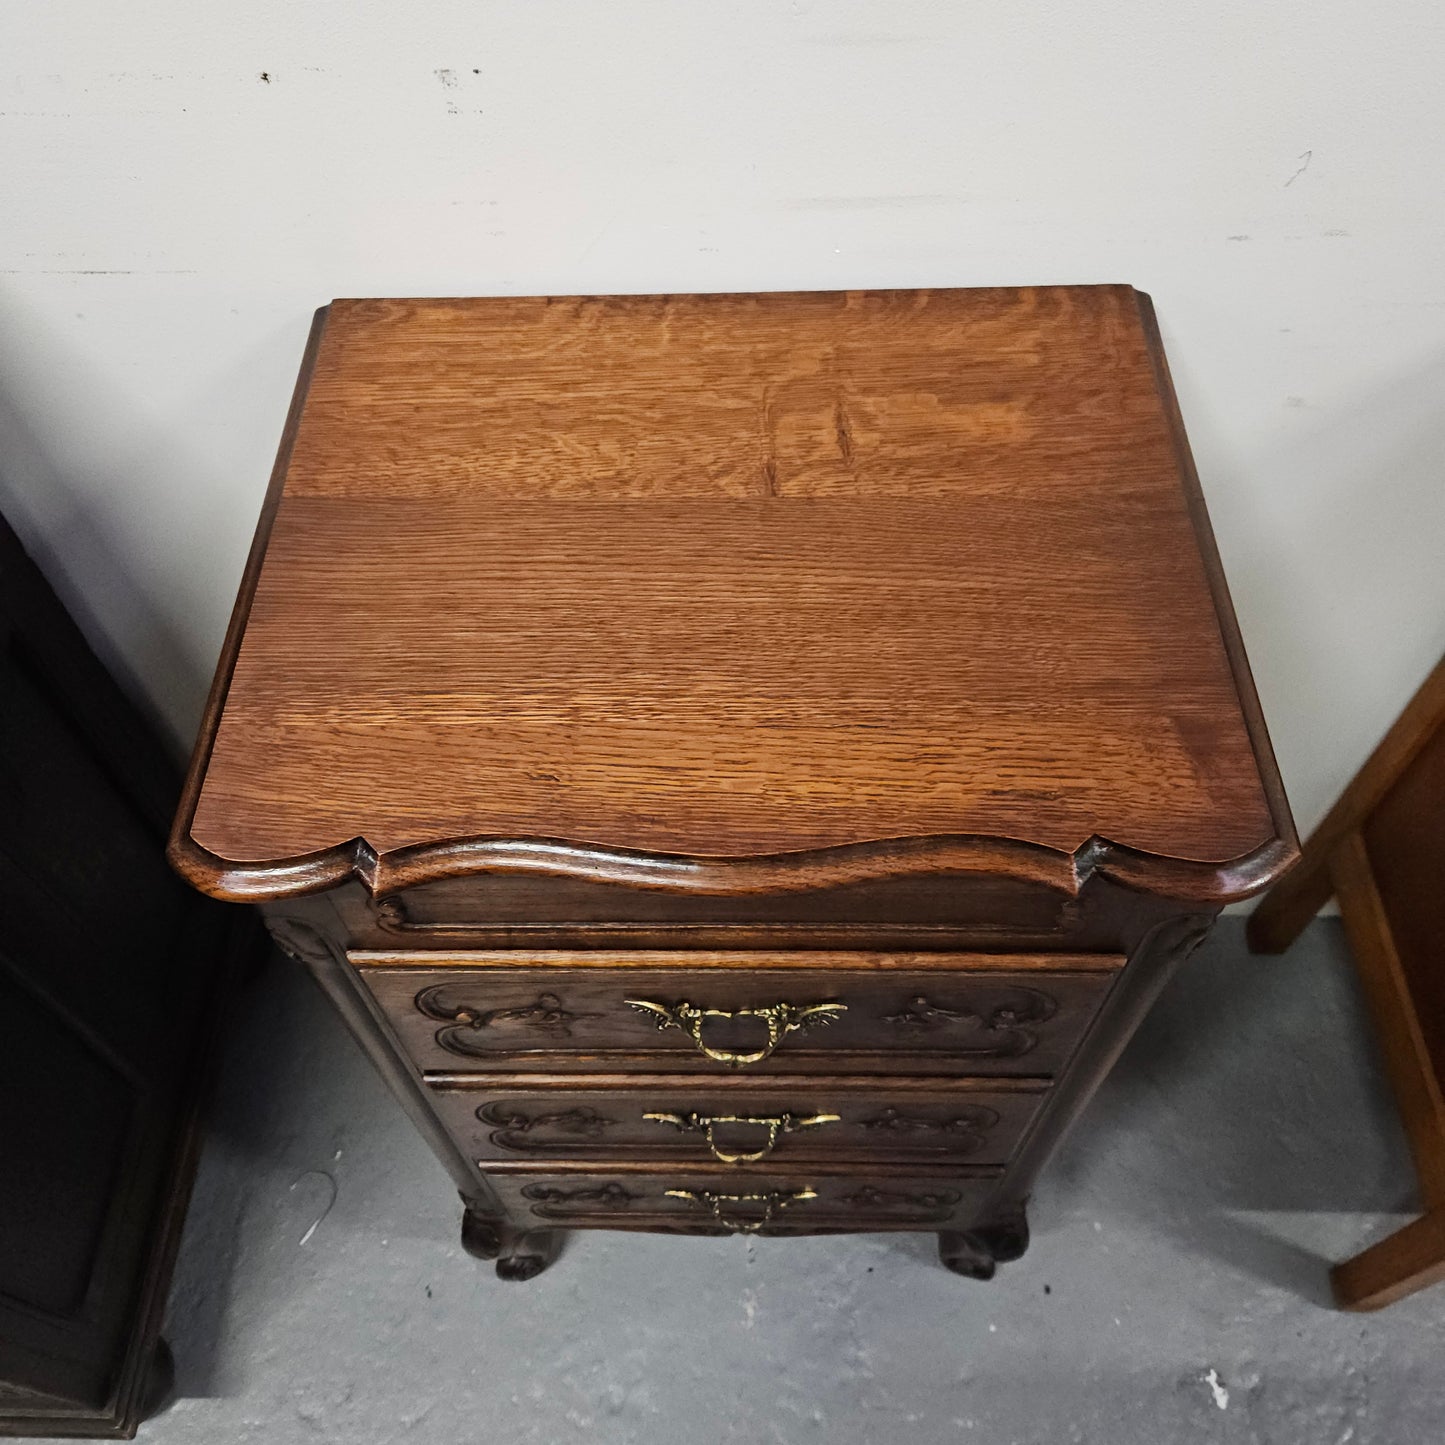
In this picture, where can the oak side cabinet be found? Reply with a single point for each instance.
(740, 763)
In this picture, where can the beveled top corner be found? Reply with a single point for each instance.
(735, 593)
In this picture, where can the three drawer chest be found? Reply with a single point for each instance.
(739, 763)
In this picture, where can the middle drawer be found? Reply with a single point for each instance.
(684, 1120)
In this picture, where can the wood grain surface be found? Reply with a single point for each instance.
(727, 576)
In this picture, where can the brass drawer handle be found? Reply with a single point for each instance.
(775, 1124)
(781, 1020)
(773, 1202)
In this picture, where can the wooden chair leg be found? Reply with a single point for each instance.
(1409, 1260)
(1404, 1045)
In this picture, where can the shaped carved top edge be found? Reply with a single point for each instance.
(1010, 859)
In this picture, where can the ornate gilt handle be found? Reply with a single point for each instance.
(775, 1124)
(773, 1202)
(781, 1020)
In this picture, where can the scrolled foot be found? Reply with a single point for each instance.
(961, 1253)
(975, 1253)
(1006, 1239)
(481, 1237)
(519, 1254)
(525, 1256)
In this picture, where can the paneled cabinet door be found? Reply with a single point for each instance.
(109, 972)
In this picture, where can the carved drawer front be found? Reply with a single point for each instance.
(982, 1015)
(728, 1202)
(788, 1121)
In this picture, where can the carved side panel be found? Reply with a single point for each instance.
(1161, 950)
(307, 942)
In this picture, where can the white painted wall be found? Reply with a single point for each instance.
(181, 183)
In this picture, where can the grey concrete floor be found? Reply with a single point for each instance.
(1175, 1290)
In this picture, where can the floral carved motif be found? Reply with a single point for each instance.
(550, 1202)
(512, 1127)
(545, 1014)
(968, 1127)
(1004, 1026)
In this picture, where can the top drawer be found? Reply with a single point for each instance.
(834, 1012)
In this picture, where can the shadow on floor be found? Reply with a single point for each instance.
(1251, 1096)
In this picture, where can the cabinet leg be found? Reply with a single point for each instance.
(481, 1237)
(1006, 1237)
(974, 1253)
(519, 1254)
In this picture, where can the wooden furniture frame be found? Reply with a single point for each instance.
(738, 763)
(1381, 852)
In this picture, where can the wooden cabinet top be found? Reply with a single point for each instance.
(644, 583)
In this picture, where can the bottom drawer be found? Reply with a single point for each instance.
(726, 1202)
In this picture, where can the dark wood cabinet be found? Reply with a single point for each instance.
(109, 979)
(739, 763)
